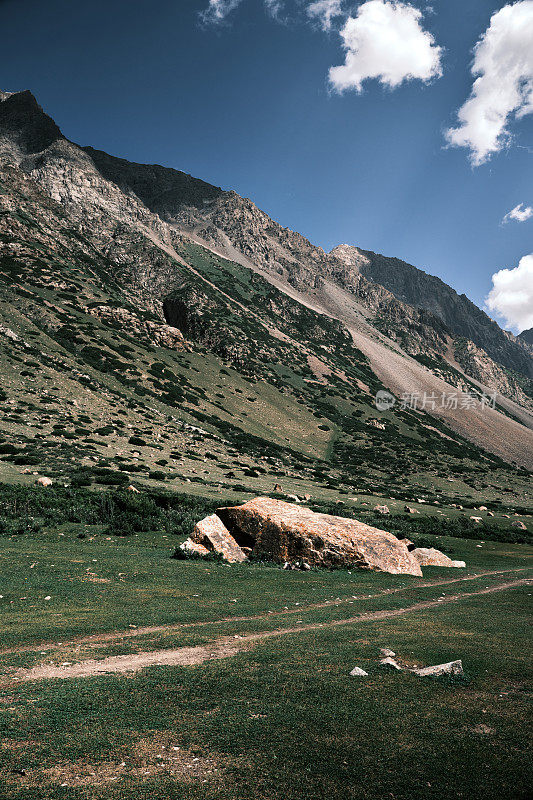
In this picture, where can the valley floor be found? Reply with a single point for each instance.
(232, 682)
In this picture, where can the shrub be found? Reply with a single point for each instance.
(137, 441)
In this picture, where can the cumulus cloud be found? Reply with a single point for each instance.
(519, 213)
(324, 12)
(503, 90)
(218, 10)
(385, 40)
(511, 296)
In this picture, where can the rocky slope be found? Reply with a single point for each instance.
(460, 316)
(526, 338)
(138, 287)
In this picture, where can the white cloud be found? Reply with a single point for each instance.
(385, 40)
(324, 11)
(511, 296)
(218, 10)
(503, 62)
(520, 213)
(274, 8)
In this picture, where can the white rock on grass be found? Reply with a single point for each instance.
(357, 671)
(389, 662)
(450, 668)
(386, 653)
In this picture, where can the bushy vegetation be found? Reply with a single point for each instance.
(24, 509)
(411, 527)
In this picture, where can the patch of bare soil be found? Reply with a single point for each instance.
(229, 646)
(157, 754)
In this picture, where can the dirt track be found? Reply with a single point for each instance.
(229, 646)
(147, 630)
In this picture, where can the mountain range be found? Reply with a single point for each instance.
(154, 326)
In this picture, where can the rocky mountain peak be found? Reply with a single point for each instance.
(349, 255)
(24, 127)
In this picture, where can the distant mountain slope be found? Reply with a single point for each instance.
(160, 294)
(526, 336)
(459, 314)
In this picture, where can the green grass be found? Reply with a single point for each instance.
(280, 720)
(285, 720)
(138, 583)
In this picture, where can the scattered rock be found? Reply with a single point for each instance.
(357, 671)
(278, 487)
(386, 653)
(482, 508)
(283, 532)
(451, 668)
(410, 510)
(132, 488)
(518, 524)
(382, 509)
(477, 519)
(44, 481)
(430, 557)
(483, 729)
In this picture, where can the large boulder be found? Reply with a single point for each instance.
(284, 532)
(212, 534)
(430, 557)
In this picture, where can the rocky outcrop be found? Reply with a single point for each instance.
(284, 532)
(156, 332)
(430, 557)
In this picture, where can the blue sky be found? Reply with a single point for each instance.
(245, 103)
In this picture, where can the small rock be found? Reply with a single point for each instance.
(357, 671)
(389, 662)
(188, 547)
(450, 668)
(518, 524)
(44, 481)
(430, 557)
(483, 729)
(382, 509)
(386, 653)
